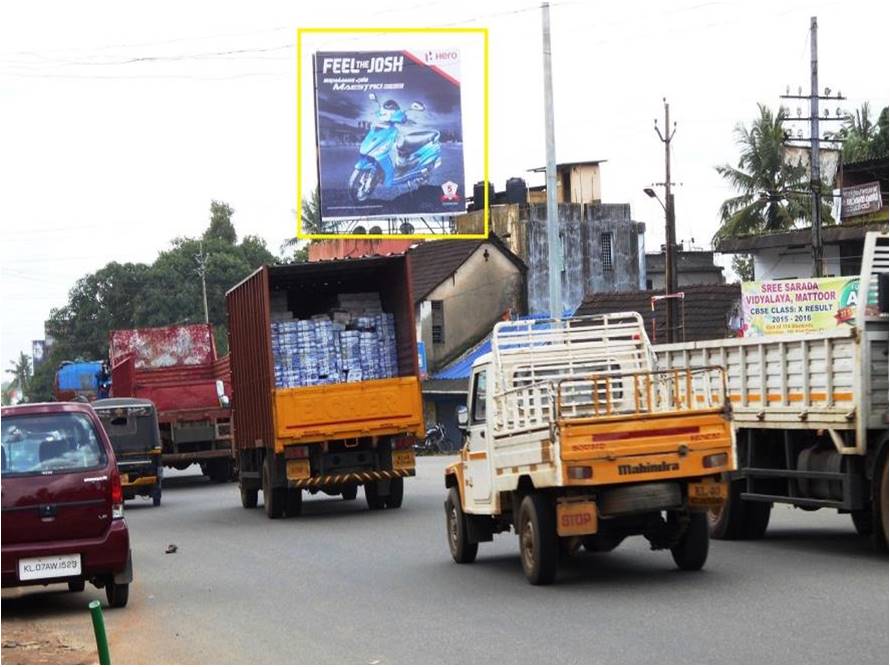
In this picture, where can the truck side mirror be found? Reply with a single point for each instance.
(462, 419)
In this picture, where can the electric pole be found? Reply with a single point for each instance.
(201, 259)
(554, 250)
(670, 270)
(814, 141)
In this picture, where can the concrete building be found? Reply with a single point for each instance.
(694, 267)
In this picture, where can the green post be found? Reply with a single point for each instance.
(99, 629)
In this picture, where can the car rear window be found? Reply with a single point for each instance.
(50, 443)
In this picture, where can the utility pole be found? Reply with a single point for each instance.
(201, 259)
(670, 269)
(554, 249)
(814, 141)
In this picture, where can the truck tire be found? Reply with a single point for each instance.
(879, 506)
(117, 594)
(349, 492)
(396, 493)
(156, 496)
(691, 552)
(273, 498)
(538, 542)
(462, 550)
(76, 585)
(293, 502)
(739, 519)
(372, 496)
(249, 498)
(219, 470)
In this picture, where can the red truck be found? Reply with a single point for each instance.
(177, 368)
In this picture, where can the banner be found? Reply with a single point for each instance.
(388, 133)
(806, 305)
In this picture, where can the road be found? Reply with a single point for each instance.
(343, 585)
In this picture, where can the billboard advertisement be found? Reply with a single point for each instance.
(388, 132)
(774, 307)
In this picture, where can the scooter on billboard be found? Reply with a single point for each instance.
(392, 156)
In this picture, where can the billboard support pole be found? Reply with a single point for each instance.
(554, 251)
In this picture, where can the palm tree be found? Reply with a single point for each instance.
(310, 223)
(21, 375)
(767, 201)
(863, 138)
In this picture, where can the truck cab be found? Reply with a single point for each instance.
(573, 438)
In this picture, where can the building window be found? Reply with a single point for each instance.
(438, 316)
(606, 250)
(649, 285)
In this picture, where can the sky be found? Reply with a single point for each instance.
(120, 122)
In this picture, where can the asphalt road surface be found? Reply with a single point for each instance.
(342, 584)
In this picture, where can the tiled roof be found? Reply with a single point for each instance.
(433, 262)
(707, 309)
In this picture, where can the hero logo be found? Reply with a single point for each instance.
(432, 57)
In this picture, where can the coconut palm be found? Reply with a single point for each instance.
(310, 223)
(21, 375)
(768, 186)
(864, 138)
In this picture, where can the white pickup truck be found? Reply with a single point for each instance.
(574, 438)
(810, 412)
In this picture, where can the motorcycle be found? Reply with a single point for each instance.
(392, 156)
(435, 441)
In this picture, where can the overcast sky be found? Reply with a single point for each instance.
(119, 122)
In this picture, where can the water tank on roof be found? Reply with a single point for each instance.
(517, 191)
(479, 195)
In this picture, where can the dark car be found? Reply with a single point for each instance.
(63, 504)
(132, 427)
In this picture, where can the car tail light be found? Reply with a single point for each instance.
(117, 495)
(296, 452)
(714, 460)
(403, 442)
(580, 472)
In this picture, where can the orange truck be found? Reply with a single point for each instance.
(308, 416)
(573, 438)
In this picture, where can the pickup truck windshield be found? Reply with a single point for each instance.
(47, 444)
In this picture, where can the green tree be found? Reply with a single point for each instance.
(20, 369)
(221, 227)
(863, 137)
(296, 250)
(743, 265)
(767, 200)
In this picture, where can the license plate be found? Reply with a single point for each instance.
(707, 493)
(403, 459)
(49, 567)
(576, 519)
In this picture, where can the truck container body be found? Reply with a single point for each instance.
(176, 368)
(811, 414)
(331, 437)
(76, 378)
(574, 438)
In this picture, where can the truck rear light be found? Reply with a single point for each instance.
(404, 442)
(714, 460)
(580, 472)
(296, 452)
(117, 495)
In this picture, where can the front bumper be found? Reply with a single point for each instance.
(100, 556)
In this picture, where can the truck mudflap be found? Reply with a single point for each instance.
(346, 478)
(347, 410)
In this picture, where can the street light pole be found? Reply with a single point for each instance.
(554, 251)
(670, 276)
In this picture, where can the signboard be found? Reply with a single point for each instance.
(861, 199)
(771, 307)
(389, 134)
(421, 360)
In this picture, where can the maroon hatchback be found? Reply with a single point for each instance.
(63, 505)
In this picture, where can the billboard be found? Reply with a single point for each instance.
(388, 133)
(771, 307)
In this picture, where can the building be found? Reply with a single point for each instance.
(694, 267)
(706, 311)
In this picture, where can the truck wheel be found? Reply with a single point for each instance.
(396, 493)
(117, 594)
(273, 498)
(725, 522)
(219, 471)
(462, 551)
(293, 503)
(76, 585)
(538, 543)
(372, 496)
(691, 552)
(756, 519)
(349, 492)
(156, 496)
(879, 507)
(249, 498)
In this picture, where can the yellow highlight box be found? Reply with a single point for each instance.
(485, 218)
